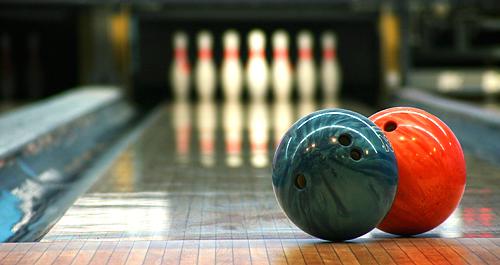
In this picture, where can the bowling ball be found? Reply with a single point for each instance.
(335, 174)
(431, 170)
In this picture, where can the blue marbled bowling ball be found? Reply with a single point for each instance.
(335, 174)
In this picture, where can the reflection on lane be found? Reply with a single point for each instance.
(117, 214)
(206, 122)
(240, 125)
(258, 129)
(282, 119)
(305, 107)
(125, 172)
(233, 133)
(217, 190)
(181, 122)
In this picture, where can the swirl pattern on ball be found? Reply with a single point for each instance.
(335, 174)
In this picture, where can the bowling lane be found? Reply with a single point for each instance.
(203, 172)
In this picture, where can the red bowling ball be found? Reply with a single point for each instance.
(431, 169)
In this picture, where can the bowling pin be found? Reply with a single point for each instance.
(182, 126)
(233, 132)
(232, 72)
(180, 70)
(330, 69)
(206, 123)
(449, 81)
(205, 67)
(306, 70)
(258, 129)
(281, 69)
(257, 70)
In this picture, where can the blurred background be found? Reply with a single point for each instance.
(447, 47)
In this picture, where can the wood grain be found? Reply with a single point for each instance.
(434, 251)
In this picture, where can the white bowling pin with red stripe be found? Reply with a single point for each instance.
(330, 69)
(205, 68)
(180, 70)
(306, 70)
(281, 69)
(231, 72)
(257, 73)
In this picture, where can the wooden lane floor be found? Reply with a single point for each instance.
(255, 251)
(196, 188)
